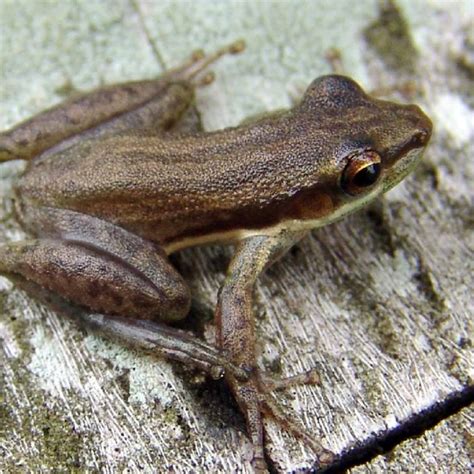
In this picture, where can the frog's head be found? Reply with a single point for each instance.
(371, 145)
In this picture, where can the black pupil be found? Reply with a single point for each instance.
(367, 176)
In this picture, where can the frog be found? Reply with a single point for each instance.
(119, 178)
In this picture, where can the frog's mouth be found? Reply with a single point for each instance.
(402, 167)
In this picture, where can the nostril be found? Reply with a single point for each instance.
(421, 121)
(425, 127)
(422, 138)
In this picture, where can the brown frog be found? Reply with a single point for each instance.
(123, 176)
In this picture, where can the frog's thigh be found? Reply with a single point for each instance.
(99, 266)
(190, 121)
(171, 110)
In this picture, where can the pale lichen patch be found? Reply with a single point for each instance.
(453, 116)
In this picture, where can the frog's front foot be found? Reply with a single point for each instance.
(257, 403)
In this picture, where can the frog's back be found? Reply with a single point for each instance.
(165, 189)
(273, 172)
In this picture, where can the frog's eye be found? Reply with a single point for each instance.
(361, 172)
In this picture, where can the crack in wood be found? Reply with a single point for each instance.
(158, 56)
(412, 427)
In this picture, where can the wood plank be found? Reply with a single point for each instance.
(380, 303)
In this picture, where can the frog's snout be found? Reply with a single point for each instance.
(422, 124)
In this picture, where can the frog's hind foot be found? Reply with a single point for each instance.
(193, 70)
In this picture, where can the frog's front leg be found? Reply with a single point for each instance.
(236, 338)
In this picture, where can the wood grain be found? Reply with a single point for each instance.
(381, 303)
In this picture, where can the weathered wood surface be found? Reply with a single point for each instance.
(380, 303)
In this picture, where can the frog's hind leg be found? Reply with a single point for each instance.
(98, 266)
(120, 108)
(96, 114)
(108, 111)
(156, 338)
(193, 70)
